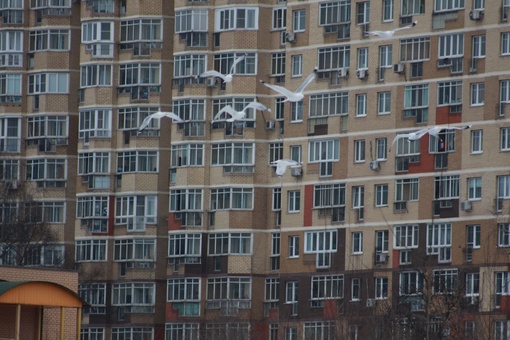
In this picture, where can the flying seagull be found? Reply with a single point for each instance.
(389, 34)
(239, 115)
(432, 131)
(282, 164)
(159, 115)
(227, 78)
(293, 96)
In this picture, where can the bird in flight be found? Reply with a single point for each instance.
(159, 115)
(227, 78)
(432, 131)
(282, 164)
(239, 115)
(389, 34)
(293, 96)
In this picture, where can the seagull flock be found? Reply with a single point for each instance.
(296, 96)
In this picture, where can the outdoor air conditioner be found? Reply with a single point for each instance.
(295, 171)
(343, 72)
(361, 73)
(211, 82)
(381, 257)
(370, 302)
(290, 37)
(465, 206)
(374, 165)
(476, 14)
(270, 124)
(398, 68)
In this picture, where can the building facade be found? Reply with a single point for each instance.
(184, 230)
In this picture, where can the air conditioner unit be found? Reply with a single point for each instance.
(343, 72)
(13, 185)
(374, 165)
(211, 82)
(465, 206)
(290, 37)
(370, 302)
(381, 257)
(399, 68)
(361, 73)
(476, 14)
(270, 124)
(295, 171)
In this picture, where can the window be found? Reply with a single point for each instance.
(477, 94)
(319, 330)
(189, 65)
(447, 187)
(326, 287)
(386, 54)
(355, 289)
(188, 20)
(405, 236)
(185, 155)
(295, 153)
(229, 288)
(230, 244)
(505, 139)
(297, 65)
(381, 149)
(478, 4)
(231, 198)
(139, 74)
(476, 141)
(236, 18)
(299, 20)
(223, 63)
(450, 46)
(334, 12)
(472, 287)
(362, 12)
(505, 43)
(53, 127)
(294, 201)
(279, 18)
(186, 200)
(320, 241)
(504, 91)
(187, 245)
(411, 283)
(503, 187)
(449, 93)
(322, 105)
(296, 111)
(502, 280)
(501, 329)
(132, 333)
(412, 7)
(273, 331)
(95, 123)
(439, 241)
(381, 195)
(137, 161)
(142, 250)
(323, 151)
(334, 58)
(448, 5)
(504, 235)
(291, 333)
(381, 241)
(49, 171)
(329, 195)
(293, 246)
(361, 105)
(96, 75)
(9, 169)
(387, 7)
(406, 190)
(233, 154)
(275, 152)
(275, 251)
(49, 40)
(473, 236)
(184, 293)
(384, 102)
(357, 242)
(415, 49)
(10, 88)
(445, 281)
(272, 290)
(363, 58)
(359, 151)
(150, 30)
(90, 250)
(130, 118)
(278, 64)
(381, 288)
(139, 296)
(95, 295)
(291, 292)
(277, 199)
(358, 197)
(92, 333)
(475, 188)
(97, 31)
(41, 83)
(135, 211)
(479, 46)
(178, 331)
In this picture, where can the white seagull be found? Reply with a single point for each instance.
(239, 115)
(159, 115)
(432, 131)
(227, 78)
(282, 164)
(293, 96)
(389, 34)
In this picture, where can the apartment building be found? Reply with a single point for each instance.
(184, 230)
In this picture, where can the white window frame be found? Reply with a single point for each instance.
(381, 288)
(357, 243)
(477, 94)
(405, 236)
(474, 188)
(476, 141)
(226, 19)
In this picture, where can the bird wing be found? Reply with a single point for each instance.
(406, 27)
(145, 123)
(459, 127)
(279, 89)
(256, 106)
(307, 81)
(397, 137)
(171, 115)
(377, 33)
(212, 73)
(237, 61)
(159, 115)
(433, 131)
(228, 109)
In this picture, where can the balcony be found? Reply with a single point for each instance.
(189, 218)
